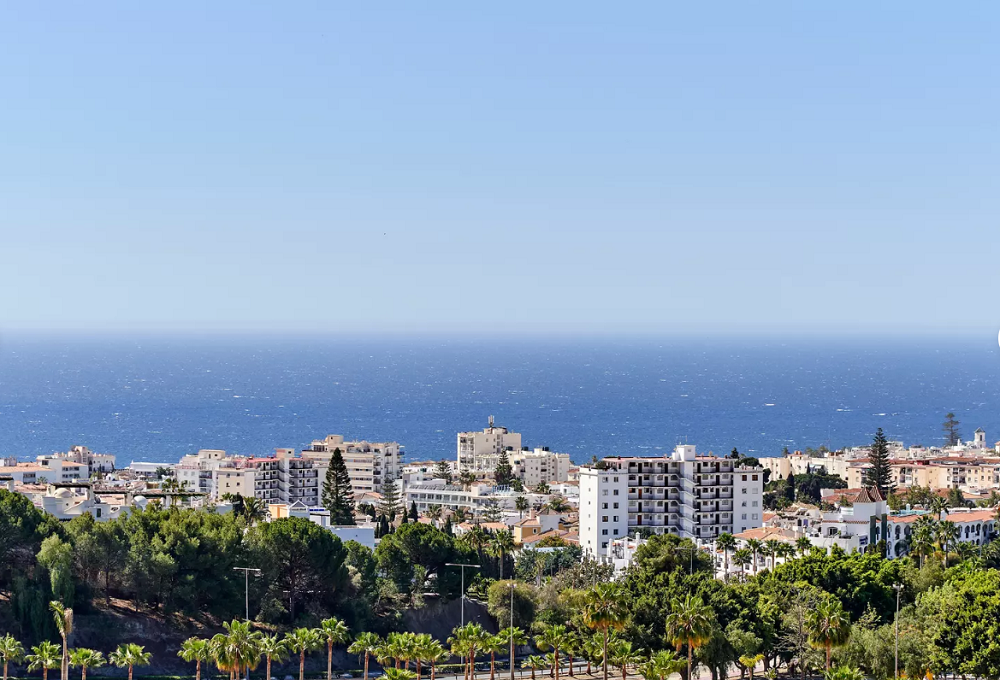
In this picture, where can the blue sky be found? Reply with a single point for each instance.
(532, 167)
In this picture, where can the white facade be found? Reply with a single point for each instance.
(697, 497)
(603, 509)
(476, 498)
(369, 464)
(480, 451)
(535, 467)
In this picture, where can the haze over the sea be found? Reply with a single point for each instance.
(148, 398)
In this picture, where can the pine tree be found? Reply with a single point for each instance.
(447, 526)
(338, 495)
(413, 511)
(504, 473)
(442, 470)
(391, 503)
(950, 428)
(880, 472)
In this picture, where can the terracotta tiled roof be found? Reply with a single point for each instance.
(974, 516)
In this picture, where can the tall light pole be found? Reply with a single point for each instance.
(463, 566)
(246, 585)
(898, 587)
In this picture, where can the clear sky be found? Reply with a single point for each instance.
(488, 167)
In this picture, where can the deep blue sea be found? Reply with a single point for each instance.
(156, 399)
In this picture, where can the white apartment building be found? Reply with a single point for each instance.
(540, 465)
(476, 498)
(285, 477)
(480, 451)
(697, 497)
(46, 470)
(370, 464)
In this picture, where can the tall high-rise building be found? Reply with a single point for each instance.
(370, 464)
(697, 497)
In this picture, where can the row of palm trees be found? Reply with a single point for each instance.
(46, 656)
(747, 555)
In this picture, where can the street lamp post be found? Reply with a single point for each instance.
(898, 587)
(463, 566)
(246, 585)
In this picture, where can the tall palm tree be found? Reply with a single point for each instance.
(534, 662)
(923, 537)
(84, 658)
(238, 646)
(501, 545)
(466, 641)
(803, 544)
(64, 624)
(829, 626)
(461, 647)
(302, 641)
(754, 546)
(197, 650)
(947, 533)
(603, 611)
(254, 511)
(44, 655)
(570, 648)
(365, 645)
(10, 651)
(333, 631)
(130, 655)
(593, 650)
(742, 559)
(772, 546)
(553, 636)
(430, 651)
(661, 666)
(491, 645)
(725, 542)
(623, 656)
(689, 623)
(521, 505)
(272, 648)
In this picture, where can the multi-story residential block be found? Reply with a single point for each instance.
(476, 497)
(195, 472)
(480, 451)
(45, 470)
(300, 480)
(538, 466)
(285, 477)
(693, 496)
(370, 464)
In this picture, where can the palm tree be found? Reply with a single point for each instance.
(603, 611)
(334, 631)
(197, 650)
(772, 546)
(64, 624)
(593, 650)
(254, 512)
(45, 655)
(725, 542)
(829, 626)
(434, 511)
(750, 662)
(10, 651)
(130, 655)
(661, 666)
(689, 623)
(534, 662)
(623, 656)
(521, 505)
(553, 637)
(272, 648)
(430, 651)
(491, 645)
(366, 645)
(558, 504)
(742, 558)
(803, 544)
(237, 650)
(754, 546)
(923, 537)
(302, 641)
(947, 533)
(501, 544)
(84, 658)
(465, 641)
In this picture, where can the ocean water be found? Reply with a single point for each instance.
(156, 399)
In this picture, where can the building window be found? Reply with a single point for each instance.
(605, 506)
(604, 518)
(616, 532)
(754, 477)
(616, 506)
(616, 492)
(604, 532)
(616, 518)
(743, 490)
(754, 504)
(744, 515)
(755, 515)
